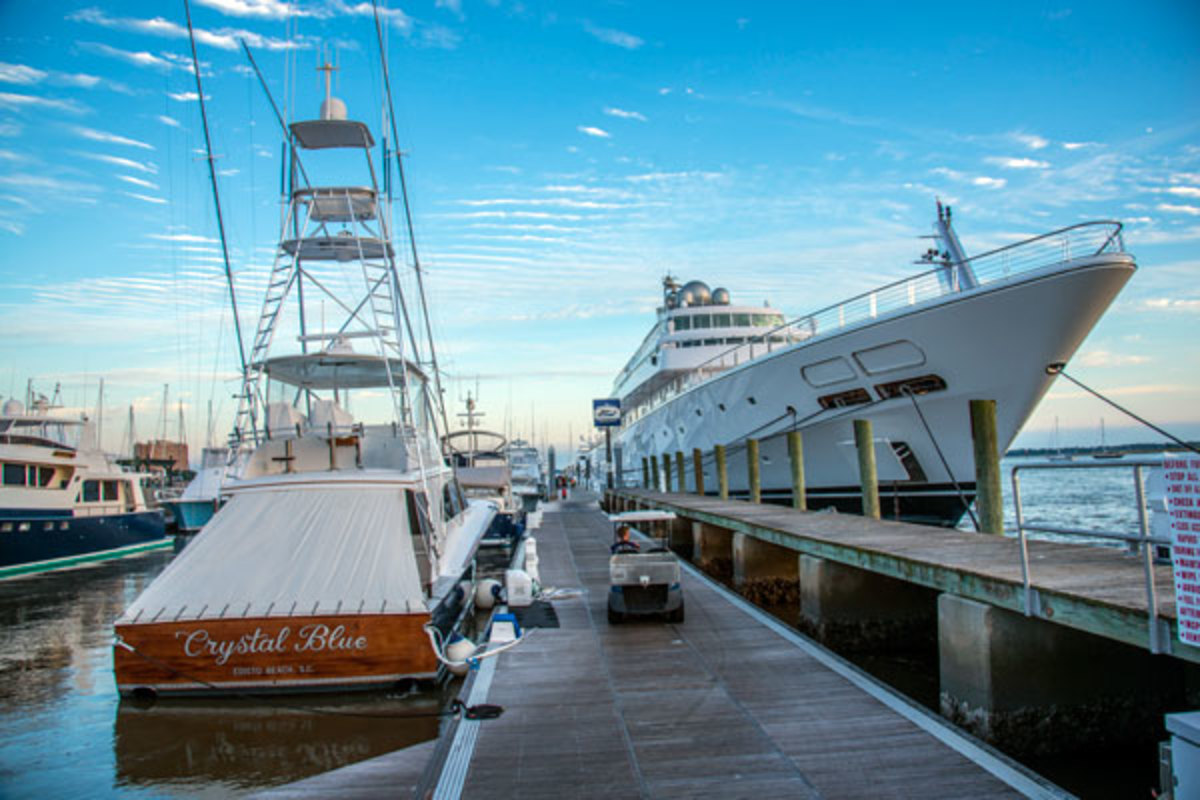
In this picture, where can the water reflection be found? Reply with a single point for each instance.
(240, 744)
(67, 733)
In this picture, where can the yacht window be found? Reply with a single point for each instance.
(735, 340)
(712, 341)
(682, 323)
(762, 320)
(91, 491)
(701, 321)
(6, 527)
(110, 490)
(14, 474)
(741, 320)
(720, 320)
(45, 475)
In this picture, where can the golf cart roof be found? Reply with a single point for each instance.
(641, 516)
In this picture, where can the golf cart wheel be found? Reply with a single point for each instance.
(676, 615)
(615, 617)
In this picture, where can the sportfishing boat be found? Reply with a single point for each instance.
(907, 356)
(484, 473)
(343, 556)
(525, 465)
(62, 500)
(199, 500)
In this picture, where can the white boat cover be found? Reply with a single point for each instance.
(292, 551)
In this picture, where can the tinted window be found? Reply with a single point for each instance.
(720, 320)
(110, 490)
(14, 474)
(741, 319)
(91, 491)
(700, 321)
(45, 475)
(682, 323)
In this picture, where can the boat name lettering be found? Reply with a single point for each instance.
(318, 636)
(199, 642)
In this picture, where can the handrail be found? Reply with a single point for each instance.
(1084, 239)
(1143, 539)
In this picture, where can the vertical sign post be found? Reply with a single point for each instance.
(1182, 476)
(606, 413)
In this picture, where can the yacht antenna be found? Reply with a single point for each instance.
(412, 239)
(212, 174)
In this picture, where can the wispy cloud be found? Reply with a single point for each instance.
(180, 237)
(988, 182)
(127, 163)
(20, 74)
(1184, 191)
(665, 177)
(17, 102)
(1031, 140)
(561, 202)
(1172, 208)
(594, 131)
(137, 182)
(171, 121)
(185, 97)
(224, 38)
(1173, 304)
(623, 114)
(1017, 163)
(145, 198)
(1105, 358)
(48, 184)
(614, 37)
(110, 138)
(141, 58)
(258, 9)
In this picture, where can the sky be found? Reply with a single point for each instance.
(562, 157)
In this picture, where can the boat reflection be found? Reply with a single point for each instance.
(253, 744)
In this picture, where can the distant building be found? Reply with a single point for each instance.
(161, 453)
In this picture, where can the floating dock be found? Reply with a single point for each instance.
(730, 703)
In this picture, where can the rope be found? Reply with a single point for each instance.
(1059, 368)
(945, 465)
(456, 706)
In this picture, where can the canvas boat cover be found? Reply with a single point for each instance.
(306, 551)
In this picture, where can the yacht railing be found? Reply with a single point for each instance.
(1084, 240)
(1142, 542)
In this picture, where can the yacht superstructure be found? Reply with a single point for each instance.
(907, 356)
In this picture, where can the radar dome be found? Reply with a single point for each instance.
(13, 408)
(720, 297)
(333, 108)
(701, 295)
(686, 298)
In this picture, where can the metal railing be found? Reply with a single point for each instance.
(1084, 240)
(1143, 541)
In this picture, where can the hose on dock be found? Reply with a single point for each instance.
(471, 661)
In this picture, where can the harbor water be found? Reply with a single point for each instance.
(67, 733)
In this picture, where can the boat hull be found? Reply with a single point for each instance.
(992, 344)
(191, 515)
(34, 542)
(272, 654)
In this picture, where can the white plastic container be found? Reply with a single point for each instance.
(519, 587)
(531, 559)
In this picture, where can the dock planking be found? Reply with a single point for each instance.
(1100, 590)
(723, 705)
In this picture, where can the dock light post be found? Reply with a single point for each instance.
(666, 457)
(722, 473)
(682, 481)
(988, 500)
(864, 441)
(698, 469)
(752, 470)
(796, 455)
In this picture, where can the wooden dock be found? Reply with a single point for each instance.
(1097, 590)
(728, 704)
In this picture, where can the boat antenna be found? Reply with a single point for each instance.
(412, 239)
(212, 174)
(287, 134)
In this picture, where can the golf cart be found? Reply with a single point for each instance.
(644, 579)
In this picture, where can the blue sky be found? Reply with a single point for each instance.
(563, 156)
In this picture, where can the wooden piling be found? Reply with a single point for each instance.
(752, 470)
(796, 455)
(698, 469)
(645, 473)
(989, 502)
(654, 472)
(722, 473)
(666, 459)
(864, 441)
(681, 481)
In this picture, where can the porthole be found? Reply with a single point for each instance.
(681, 430)
(721, 406)
(699, 413)
(752, 401)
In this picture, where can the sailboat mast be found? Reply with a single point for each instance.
(212, 174)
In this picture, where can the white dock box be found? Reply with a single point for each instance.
(1185, 753)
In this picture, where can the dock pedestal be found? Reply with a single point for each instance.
(851, 609)
(1033, 688)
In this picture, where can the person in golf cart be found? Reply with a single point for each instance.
(624, 544)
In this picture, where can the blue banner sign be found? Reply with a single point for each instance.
(606, 413)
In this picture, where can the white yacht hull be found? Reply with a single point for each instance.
(992, 342)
